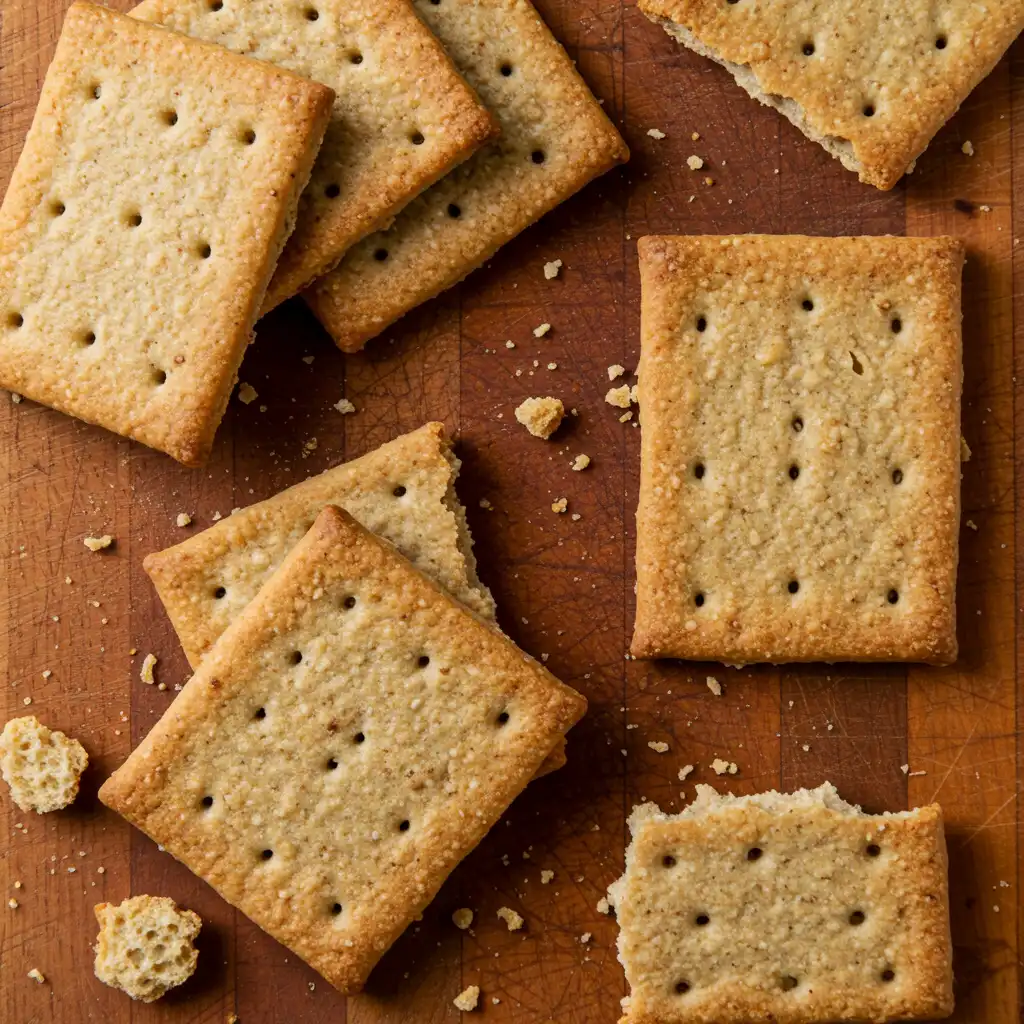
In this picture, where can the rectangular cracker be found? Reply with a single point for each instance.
(800, 459)
(403, 116)
(349, 739)
(872, 93)
(145, 216)
(206, 581)
(794, 908)
(555, 138)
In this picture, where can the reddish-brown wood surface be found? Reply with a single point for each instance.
(71, 619)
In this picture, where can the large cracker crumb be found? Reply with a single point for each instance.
(721, 767)
(511, 918)
(694, 162)
(462, 918)
(37, 975)
(615, 370)
(541, 416)
(619, 397)
(247, 393)
(551, 269)
(184, 519)
(539, 332)
(146, 672)
(98, 543)
(658, 746)
(714, 686)
(467, 999)
(41, 766)
(580, 463)
(344, 406)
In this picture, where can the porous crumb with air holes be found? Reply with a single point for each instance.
(619, 397)
(655, 133)
(41, 766)
(98, 543)
(462, 918)
(580, 463)
(146, 672)
(513, 920)
(344, 406)
(541, 416)
(467, 999)
(539, 332)
(247, 393)
(695, 163)
(551, 269)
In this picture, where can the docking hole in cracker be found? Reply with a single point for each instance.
(328, 797)
(800, 474)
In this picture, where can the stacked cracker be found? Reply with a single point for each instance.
(352, 729)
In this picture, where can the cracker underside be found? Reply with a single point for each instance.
(350, 738)
(206, 581)
(872, 83)
(402, 118)
(554, 139)
(142, 224)
(800, 475)
(785, 907)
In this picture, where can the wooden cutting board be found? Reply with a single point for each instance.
(76, 625)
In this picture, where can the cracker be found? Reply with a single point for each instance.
(144, 946)
(872, 92)
(800, 475)
(156, 188)
(41, 767)
(404, 492)
(555, 138)
(403, 116)
(793, 908)
(350, 738)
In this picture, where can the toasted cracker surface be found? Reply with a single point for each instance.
(402, 118)
(154, 193)
(794, 908)
(403, 491)
(349, 739)
(554, 139)
(872, 82)
(145, 946)
(800, 474)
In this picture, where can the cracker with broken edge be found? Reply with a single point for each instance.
(554, 139)
(349, 739)
(795, 908)
(872, 83)
(402, 118)
(800, 473)
(144, 218)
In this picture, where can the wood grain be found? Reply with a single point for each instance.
(565, 586)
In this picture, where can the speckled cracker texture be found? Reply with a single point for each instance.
(403, 491)
(554, 139)
(349, 739)
(871, 81)
(800, 460)
(145, 216)
(792, 908)
(402, 118)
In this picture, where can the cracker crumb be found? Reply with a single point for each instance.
(467, 999)
(546, 876)
(619, 397)
(655, 133)
(551, 270)
(510, 344)
(37, 975)
(684, 771)
(484, 503)
(626, 417)
(184, 519)
(146, 673)
(541, 416)
(658, 746)
(985, 208)
(585, 938)
(13, 903)
(309, 447)
(695, 136)
(462, 918)
(344, 406)
(27, 701)
(308, 360)
(580, 463)
(709, 181)
(552, 366)
(615, 370)
(971, 524)
(721, 767)
(560, 505)
(539, 332)
(16, 398)
(603, 906)
(511, 918)
(967, 148)
(575, 517)
(694, 162)
(965, 451)
(98, 543)
(247, 393)
(714, 686)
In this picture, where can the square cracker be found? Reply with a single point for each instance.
(792, 908)
(156, 188)
(800, 458)
(872, 81)
(403, 116)
(350, 738)
(554, 139)
(403, 491)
